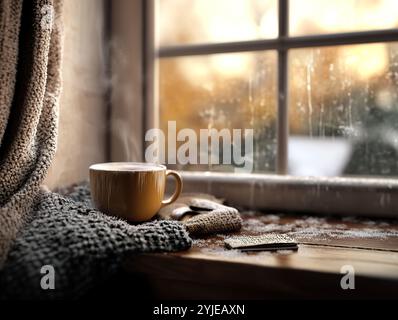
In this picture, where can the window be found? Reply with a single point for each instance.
(317, 81)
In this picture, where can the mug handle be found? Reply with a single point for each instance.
(178, 178)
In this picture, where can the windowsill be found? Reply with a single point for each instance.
(208, 271)
(374, 197)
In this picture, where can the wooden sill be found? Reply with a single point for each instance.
(208, 271)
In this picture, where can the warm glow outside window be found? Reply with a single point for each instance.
(219, 63)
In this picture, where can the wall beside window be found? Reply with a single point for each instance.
(82, 122)
(127, 80)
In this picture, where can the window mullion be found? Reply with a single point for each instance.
(282, 119)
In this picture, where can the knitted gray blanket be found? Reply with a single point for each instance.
(81, 245)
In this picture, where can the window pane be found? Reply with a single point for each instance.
(208, 21)
(231, 91)
(343, 112)
(332, 16)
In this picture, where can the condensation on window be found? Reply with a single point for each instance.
(343, 110)
(342, 100)
(223, 91)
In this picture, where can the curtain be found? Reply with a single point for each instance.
(30, 56)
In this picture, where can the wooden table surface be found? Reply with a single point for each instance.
(210, 271)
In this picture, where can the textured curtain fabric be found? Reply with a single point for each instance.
(29, 90)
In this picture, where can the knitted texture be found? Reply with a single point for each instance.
(203, 214)
(30, 55)
(218, 221)
(84, 246)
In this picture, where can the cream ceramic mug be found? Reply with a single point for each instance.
(131, 190)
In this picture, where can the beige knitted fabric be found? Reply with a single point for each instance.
(203, 214)
(29, 90)
(218, 221)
